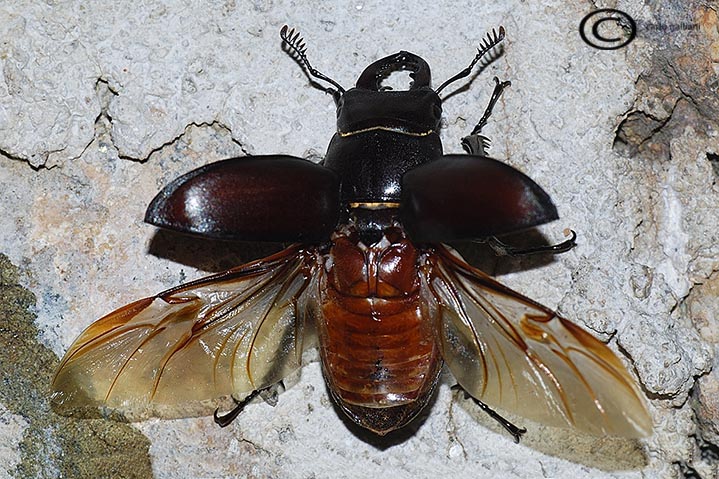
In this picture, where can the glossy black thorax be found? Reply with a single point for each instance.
(371, 164)
(382, 134)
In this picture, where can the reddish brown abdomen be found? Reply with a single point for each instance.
(379, 354)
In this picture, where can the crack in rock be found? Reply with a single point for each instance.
(452, 432)
(172, 141)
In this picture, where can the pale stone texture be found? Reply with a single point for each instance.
(619, 139)
(12, 427)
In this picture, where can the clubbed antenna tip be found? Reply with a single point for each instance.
(297, 46)
(492, 40)
(293, 40)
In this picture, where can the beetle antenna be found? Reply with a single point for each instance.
(492, 40)
(296, 44)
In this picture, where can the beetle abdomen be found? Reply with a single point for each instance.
(379, 353)
(376, 359)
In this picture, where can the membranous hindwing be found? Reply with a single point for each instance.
(182, 352)
(519, 356)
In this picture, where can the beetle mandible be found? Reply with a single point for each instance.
(368, 279)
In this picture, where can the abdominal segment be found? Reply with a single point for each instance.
(378, 350)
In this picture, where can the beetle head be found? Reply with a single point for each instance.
(372, 76)
(415, 111)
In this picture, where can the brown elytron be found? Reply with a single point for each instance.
(379, 353)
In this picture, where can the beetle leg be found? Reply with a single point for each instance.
(515, 431)
(503, 249)
(269, 394)
(499, 87)
(477, 144)
(226, 419)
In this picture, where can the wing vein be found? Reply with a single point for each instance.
(152, 334)
(559, 374)
(256, 331)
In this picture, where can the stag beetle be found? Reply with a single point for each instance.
(368, 280)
